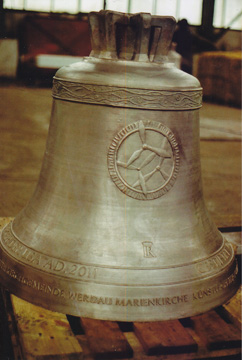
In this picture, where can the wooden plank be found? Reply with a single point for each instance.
(139, 353)
(43, 334)
(16, 347)
(215, 332)
(233, 308)
(6, 346)
(204, 354)
(106, 340)
(167, 337)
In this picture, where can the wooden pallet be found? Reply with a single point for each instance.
(28, 332)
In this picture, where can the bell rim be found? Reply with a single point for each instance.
(222, 286)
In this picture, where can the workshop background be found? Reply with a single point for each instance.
(38, 37)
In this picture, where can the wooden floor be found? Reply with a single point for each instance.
(24, 119)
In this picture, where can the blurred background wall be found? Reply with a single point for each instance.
(37, 37)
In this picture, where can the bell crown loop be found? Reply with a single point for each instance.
(125, 48)
(135, 37)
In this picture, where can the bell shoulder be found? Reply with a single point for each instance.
(128, 74)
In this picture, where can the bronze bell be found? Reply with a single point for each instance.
(117, 228)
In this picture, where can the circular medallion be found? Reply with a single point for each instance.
(143, 160)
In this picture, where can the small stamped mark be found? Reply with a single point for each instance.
(147, 249)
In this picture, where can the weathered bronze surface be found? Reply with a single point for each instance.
(117, 227)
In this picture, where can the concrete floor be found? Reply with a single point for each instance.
(24, 120)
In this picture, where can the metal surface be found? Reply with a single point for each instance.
(117, 227)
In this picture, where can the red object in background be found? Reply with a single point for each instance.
(54, 35)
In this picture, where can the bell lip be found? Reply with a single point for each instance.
(108, 317)
(109, 313)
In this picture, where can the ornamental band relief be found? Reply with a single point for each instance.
(143, 160)
(127, 97)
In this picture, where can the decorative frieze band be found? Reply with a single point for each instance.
(127, 97)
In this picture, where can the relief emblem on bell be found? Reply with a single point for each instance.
(117, 228)
(143, 160)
